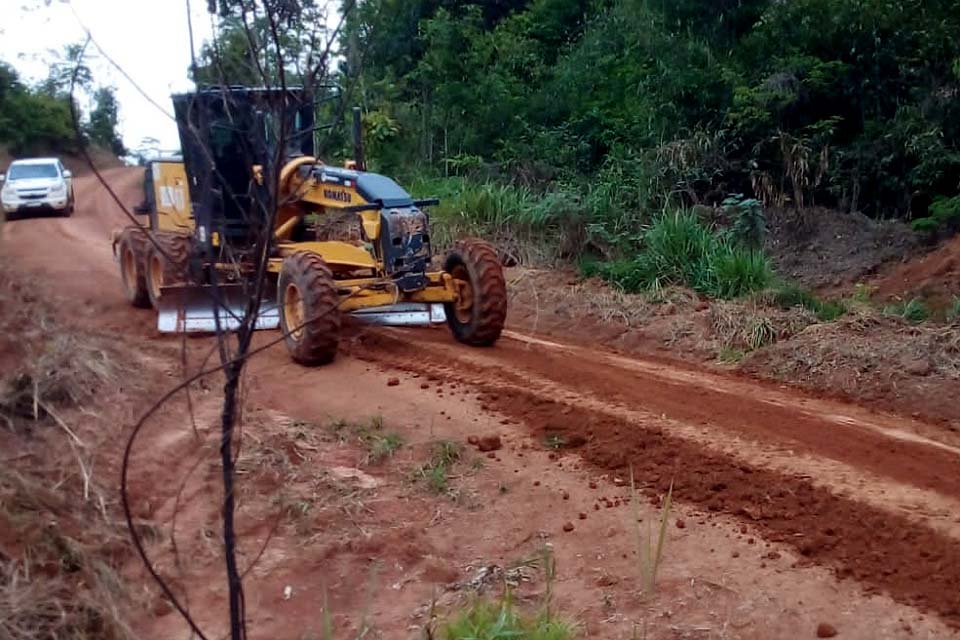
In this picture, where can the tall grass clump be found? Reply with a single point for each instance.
(678, 249)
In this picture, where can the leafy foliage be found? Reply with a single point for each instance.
(637, 104)
(32, 121)
(35, 121)
(102, 127)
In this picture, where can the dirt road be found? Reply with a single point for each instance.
(810, 508)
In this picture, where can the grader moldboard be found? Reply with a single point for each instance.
(345, 240)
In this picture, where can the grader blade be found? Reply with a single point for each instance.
(403, 314)
(195, 309)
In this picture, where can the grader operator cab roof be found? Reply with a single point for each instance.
(372, 187)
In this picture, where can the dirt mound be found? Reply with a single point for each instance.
(935, 276)
(867, 356)
(823, 248)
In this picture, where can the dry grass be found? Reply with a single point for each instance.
(748, 325)
(577, 298)
(60, 537)
(52, 583)
(864, 348)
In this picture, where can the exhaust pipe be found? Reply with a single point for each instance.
(358, 157)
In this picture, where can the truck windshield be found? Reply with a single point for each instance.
(25, 171)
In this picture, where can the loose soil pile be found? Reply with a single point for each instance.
(826, 249)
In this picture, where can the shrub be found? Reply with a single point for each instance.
(749, 223)
(944, 213)
(913, 311)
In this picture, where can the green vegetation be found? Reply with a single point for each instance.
(372, 435)
(789, 296)
(501, 621)
(583, 119)
(913, 311)
(649, 548)
(629, 102)
(444, 454)
(37, 120)
(678, 249)
(953, 311)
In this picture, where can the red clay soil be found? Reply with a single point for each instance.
(570, 397)
(935, 275)
(884, 551)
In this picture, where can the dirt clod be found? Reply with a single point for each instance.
(681, 524)
(489, 443)
(393, 382)
(825, 630)
(568, 527)
(473, 440)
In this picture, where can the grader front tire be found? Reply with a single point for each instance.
(480, 311)
(309, 309)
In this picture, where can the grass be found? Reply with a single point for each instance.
(953, 310)
(731, 355)
(501, 621)
(788, 296)
(57, 586)
(650, 549)
(914, 311)
(372, 435)
(444, 454)
(678, 249)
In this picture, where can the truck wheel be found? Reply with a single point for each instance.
(130, 250)
(309, 309)
(477, 316)
(168, 267)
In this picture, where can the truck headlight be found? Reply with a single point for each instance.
(59, 190)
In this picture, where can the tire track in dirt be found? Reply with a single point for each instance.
(924, 465)
(937, 511)
(885, 551)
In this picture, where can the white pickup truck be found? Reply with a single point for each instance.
(36, 185)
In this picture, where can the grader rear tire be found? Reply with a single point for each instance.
(130, 250)
(480, 311)
(166, 268)
(309, 309)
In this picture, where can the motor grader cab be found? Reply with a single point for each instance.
(344, 240)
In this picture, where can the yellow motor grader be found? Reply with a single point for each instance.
(344, 240)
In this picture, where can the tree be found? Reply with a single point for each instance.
(104, 118)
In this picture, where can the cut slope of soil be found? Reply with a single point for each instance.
(935, 276)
